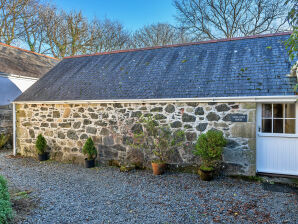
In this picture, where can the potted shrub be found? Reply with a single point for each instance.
(161, 140)
(161, 145)
(209, 147)
(41, 145)
(90, 151)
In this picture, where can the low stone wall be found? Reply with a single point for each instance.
(67, 126)
(6, 123)
(6, 119)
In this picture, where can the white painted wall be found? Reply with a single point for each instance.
(13, 86)
(22, 83)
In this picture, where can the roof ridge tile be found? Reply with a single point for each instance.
(31, 52)
(181, 45)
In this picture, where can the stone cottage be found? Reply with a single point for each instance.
(19, 69)
(239, 86)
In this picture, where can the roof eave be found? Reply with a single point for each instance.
(7, 75)
(254, 99)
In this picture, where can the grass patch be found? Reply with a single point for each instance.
(295, 183)
(248, 178)
(48, 161)
(5, 204)
(22, 204)
(22, 194)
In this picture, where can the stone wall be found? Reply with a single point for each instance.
(6, 123)
(66, 128)
(6, 119)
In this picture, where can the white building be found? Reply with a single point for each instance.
(19, 69)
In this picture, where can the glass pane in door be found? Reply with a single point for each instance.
(278, 126)
(277, 111)
(290, 111)
(290, 126)
(267, 125)
(267, 110)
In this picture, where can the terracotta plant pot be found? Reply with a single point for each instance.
(158, 168)
(42, 157)
(206, 175)
(89, 163)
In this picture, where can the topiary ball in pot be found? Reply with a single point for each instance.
(90, 151)
(41, 145)
(209, 147)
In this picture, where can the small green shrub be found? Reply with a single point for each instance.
(89, 149)
(3, 139)
(41, 144)
(5, 205)
(209, 147)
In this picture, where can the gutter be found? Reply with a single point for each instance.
(250, 99)
(14, 128)
(5, 75)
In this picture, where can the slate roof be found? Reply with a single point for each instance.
(21, 62)
(250, 66)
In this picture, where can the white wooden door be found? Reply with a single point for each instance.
(277, 138)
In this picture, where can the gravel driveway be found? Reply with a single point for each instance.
(71, 194)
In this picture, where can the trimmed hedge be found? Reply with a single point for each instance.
(5, 205)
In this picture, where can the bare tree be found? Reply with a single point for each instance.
(212, 19)
(49, 30)
(158, 35)
(10, 13)
(55, 27)
(67, 34)
(70, 33)
(77, 32)
(107, 35)
(32, 29)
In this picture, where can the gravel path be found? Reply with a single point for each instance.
(71, 194)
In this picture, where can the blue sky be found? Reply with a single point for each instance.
(132, 13)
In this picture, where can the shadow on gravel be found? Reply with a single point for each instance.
(279, 188)
(22, 204)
